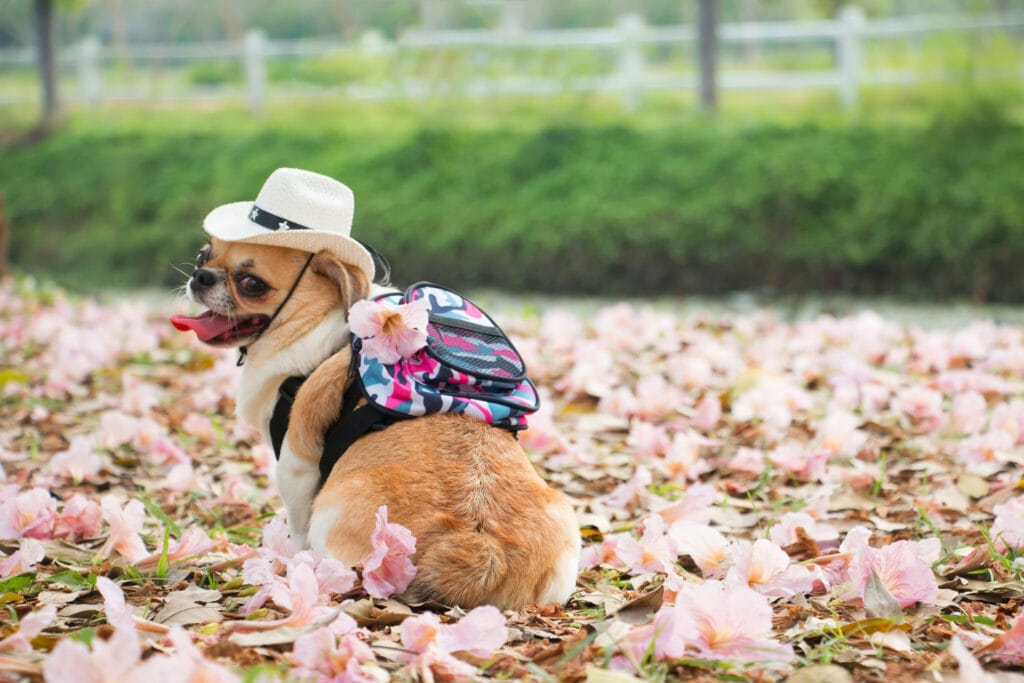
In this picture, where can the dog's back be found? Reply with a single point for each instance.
(488, 529)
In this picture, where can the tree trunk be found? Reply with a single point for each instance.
(707, 46)
(46, 25)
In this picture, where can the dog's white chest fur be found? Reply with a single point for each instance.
(262, 375)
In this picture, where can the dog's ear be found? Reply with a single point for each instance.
(351, 281)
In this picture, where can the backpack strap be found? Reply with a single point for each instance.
(282, 410)
(353, 424)
(350, 426)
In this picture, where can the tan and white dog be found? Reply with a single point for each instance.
(278, 278)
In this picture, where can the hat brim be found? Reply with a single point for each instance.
(231, 223)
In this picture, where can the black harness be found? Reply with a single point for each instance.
(350, 426)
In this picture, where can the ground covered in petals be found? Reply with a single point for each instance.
(827, 500)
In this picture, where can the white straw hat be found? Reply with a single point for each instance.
(297, 209)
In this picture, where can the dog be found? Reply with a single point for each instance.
(278, 278)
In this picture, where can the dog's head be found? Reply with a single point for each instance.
(246, 288)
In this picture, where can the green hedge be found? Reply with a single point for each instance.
(921, 210)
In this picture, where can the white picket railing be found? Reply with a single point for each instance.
(629, 38)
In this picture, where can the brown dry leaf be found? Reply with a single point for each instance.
(189, 606)
(991, 591)
(277, 636)
(878, 601)
(640, 610)
(972, 485)
(367, 613)
(872, 626)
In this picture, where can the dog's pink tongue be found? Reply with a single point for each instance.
(206, 326)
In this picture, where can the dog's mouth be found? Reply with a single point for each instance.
(213, 328)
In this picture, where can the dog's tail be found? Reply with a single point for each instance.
(462, 568)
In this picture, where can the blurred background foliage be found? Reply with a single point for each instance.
(917, 191)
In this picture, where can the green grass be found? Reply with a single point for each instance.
(567, 194)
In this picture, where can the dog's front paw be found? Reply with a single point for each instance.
(299, 538)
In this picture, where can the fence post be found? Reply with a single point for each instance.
(631, 59)
(88, 64)
(254, 54)
(850, 21)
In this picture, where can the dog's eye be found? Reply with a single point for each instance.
(203, 256)
(252, 286)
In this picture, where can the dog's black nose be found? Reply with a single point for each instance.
(203, 278)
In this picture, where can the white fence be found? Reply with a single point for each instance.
(627, 43)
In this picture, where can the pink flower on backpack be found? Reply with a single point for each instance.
(389, 333)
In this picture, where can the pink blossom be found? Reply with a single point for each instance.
(118, 612)
(683, 459)
(165, 451)
(1009, 418)
(1008, 647)
(181, 477)
(113, 659)
(970, 669)
(30, 626)
(301, 596)
(126, 521)
(277, 542)
(655, 398)
(646, 439)
(732, 622)
(136, 396)
(654, 552)
(668, 635)
(694, 506)
(904, 567)
(626, 492)
(200, 427)
(839, 434)
(235, 490)
(543, 435)
(187, 664)
(389, 333)
(387, 570)
(805, 464)
(263, 460)
(774, 402)
(706, 546)
(607, 552)
(784, 532)
(969, 414)
(708, 413)
(691, 372)
(748, 460)
(79, 518)
(618, 401)
(1007, 530)
(430, 643)
(278, 553)
(23, 559)
(192, 543)
(322, 656)
(990, 446)
(923, 407)
(31, 514)
(118, 429)
(767, 569)
(333, 577)
(589, 374)
(79, 463)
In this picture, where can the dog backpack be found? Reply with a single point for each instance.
(468, 366)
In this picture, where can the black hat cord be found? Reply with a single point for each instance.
(243, 350)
